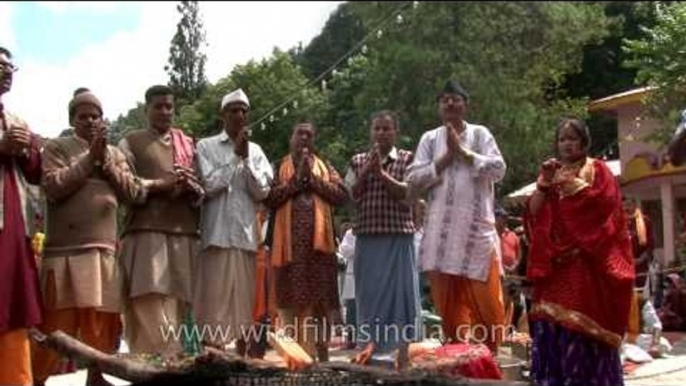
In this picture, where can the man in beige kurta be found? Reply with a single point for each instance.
(160, 240)
(84, 181)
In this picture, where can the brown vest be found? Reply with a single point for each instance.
(160, 213)
(87, 217)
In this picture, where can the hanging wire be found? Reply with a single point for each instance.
(385, 21)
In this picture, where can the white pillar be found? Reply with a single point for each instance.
(667, 198)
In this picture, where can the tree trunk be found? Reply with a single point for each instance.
(68, 346)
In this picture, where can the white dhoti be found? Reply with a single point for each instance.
(225, 294)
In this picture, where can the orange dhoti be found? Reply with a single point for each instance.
(99, 330)
(470, 308)
(634, 327)
(15, 357)
(69, 290)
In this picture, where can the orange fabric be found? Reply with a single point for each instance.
(310, 327)
(260, 307)
(15, 358)
(463, 303)
(641, 232)
(323, 232)
(265, 297)
(634, 326)
(100, 330)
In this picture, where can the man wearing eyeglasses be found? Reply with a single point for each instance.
(458, 164)
(20, 308)
(236, 175)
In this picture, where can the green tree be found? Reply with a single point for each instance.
(134, 119)
(342, 30)
(603, 71)
(511, 56)
(186, 63)
(268, 84)
(660, 58)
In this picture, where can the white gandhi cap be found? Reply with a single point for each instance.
(235, 96)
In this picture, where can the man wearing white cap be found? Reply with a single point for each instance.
(236, 175)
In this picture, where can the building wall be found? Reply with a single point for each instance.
(631, 122)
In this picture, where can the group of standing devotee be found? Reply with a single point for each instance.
(191, 234)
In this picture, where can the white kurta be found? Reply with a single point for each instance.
(233, 189)
(459, 234)
(347, 250)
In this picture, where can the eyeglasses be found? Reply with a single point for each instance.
(8, 68)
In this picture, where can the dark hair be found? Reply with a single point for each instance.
(157, 90)
(304, 121)
(81, 90)
(385, 113)
(580, 129)
(5, 51)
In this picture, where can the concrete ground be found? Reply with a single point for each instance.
(664, 371)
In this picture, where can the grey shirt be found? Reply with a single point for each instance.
(234, 187)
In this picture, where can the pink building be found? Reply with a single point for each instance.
(646, 173)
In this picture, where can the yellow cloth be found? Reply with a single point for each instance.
(323, 232)
(640, 228)
(37, 243)
(15, 358)
(573, 178)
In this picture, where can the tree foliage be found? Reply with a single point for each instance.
(268, 84)
(660, 58)
(518, 61)
(134, 119)
(186, 63)
(342, 30)
(603, 71)
(509, 56)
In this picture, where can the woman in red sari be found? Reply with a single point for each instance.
(581, 266)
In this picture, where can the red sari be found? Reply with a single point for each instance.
(580, 260)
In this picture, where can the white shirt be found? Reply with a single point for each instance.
(233, 188)
(459, 234)
(347, 250)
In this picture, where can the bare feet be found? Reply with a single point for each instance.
(364, 356)
(403, 360)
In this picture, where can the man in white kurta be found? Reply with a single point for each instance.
(236, 175)
(458, 163)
